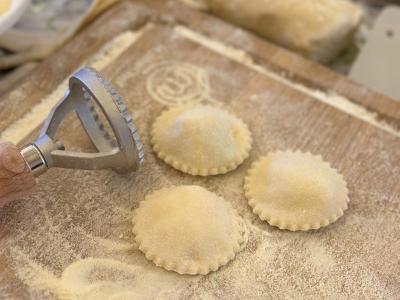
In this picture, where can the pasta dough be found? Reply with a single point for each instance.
(296, 191)
(4, 6)
(318, 29)
(201, 140)
(188, 229)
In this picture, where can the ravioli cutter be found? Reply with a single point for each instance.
(116, 140)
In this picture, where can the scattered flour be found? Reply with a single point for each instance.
(176, 82)
(56, 258)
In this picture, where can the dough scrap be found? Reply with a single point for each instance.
(201, 140)
(318, 29)
(188, 229)
(296, 191)
(4, 6)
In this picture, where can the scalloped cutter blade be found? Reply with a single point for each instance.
(121, 150)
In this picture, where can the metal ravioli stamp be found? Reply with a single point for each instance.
(106, 120)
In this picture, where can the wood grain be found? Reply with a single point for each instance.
(76, 214)
(290, 64)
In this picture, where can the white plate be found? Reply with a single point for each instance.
(13, 14)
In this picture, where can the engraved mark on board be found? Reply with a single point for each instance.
(175, 82)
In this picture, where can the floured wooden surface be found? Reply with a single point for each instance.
(47, 237)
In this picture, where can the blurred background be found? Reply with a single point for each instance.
(32, 30)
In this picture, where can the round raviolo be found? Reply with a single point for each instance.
(201, 140)
(296, 191)
(188, 229)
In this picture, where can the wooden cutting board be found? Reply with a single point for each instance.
(161, 53)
